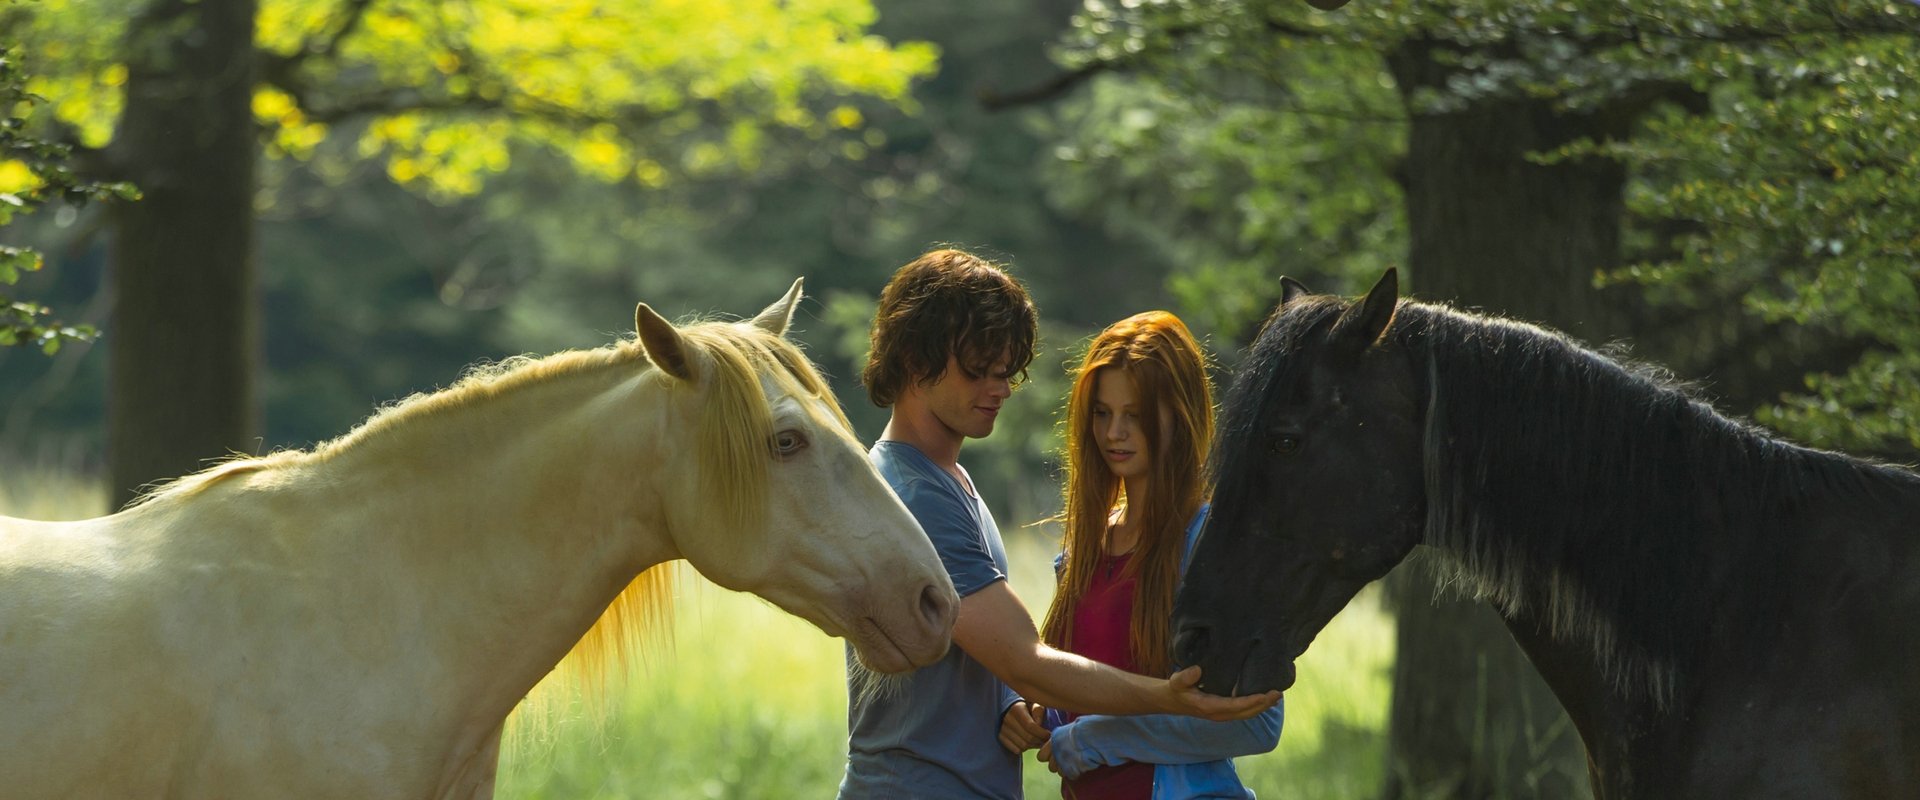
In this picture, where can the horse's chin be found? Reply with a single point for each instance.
(1255, 675)
(878, 651)
(889, 647)
(1267, 676)
(885, 659)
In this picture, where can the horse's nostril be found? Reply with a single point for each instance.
(935, 607)
(1190, 644)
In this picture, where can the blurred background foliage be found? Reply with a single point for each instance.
(447, 183)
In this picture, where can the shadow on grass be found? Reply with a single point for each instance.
(1349, 763)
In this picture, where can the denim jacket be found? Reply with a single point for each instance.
(1191, 756)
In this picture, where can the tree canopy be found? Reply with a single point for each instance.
(171, 95)
(1770, 149)
(444, 93)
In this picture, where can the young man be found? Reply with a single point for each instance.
(951, 335)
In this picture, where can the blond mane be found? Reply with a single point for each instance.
(476, 384)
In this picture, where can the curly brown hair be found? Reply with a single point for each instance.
(948, 303)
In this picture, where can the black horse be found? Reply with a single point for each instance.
(1723, 614)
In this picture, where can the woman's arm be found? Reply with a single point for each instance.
(1095, 741)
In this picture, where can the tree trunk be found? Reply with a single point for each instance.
(1490, 231)
(182, 335)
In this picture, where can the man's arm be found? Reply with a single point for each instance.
(996, 630)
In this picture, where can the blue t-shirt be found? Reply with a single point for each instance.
(935, 732)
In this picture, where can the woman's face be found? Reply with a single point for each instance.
(1117, 432)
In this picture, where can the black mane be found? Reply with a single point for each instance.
(1596, 498)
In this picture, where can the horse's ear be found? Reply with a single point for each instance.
(776, 317)
(1291, 290)
(663, 342)
(1366, 322)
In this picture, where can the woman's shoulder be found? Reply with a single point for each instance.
(1198, 519)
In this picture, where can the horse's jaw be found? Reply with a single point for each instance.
(889, 635)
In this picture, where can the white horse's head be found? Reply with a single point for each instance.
(788, 506)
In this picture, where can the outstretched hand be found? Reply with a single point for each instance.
(1021, 729)
(1188, 699)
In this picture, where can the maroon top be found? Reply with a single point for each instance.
(1103, 631)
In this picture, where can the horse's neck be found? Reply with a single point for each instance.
(1821, 523)
(552, 462)
(503, 526)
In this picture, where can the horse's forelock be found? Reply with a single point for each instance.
(1270, 364)
(735, 425)
(729, 442)
(797, 376)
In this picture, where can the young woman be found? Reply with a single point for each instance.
(1139, 426)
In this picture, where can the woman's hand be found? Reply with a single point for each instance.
(1020, 728)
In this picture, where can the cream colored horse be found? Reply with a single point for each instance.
(358, 620)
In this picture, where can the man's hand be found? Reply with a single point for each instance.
(1020, 728)
(1189, 700)
(1046, 757)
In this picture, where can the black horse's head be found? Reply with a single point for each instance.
(1318, 488)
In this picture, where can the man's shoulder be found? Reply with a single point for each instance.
(908, 471)
(892, 457)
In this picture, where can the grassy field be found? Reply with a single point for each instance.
(746, 702)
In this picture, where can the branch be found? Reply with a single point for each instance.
(399, 100)
(356, 12)
(1065, 82)
(282, 71)
(1632, 33)
(1056, 86)
(395, 101)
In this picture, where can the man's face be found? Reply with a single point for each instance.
(968, 406)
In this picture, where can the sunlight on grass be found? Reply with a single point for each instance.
(747, 702)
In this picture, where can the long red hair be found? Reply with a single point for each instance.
(1170, 376)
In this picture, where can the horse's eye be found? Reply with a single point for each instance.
(1286, 445)
(786, 443)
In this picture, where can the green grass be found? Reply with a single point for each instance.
(751, 703)
(747, 702)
